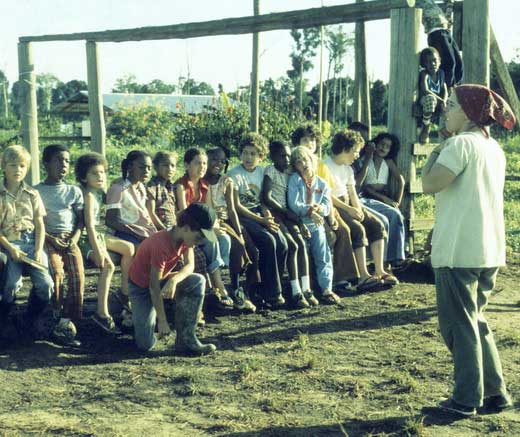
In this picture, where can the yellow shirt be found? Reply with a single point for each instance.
(323, 172)
(18, 212)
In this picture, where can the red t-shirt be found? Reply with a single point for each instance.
(156, 251)
(190, 191)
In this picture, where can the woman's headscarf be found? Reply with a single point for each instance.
(484, 107)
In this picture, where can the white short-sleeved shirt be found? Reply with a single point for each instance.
(280, 183)
(469, 227)
(343, 176)
(248, 184)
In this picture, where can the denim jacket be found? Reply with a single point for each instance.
(301, 198)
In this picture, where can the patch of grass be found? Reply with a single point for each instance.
(414, 427)
(404, 382)
(509, 340)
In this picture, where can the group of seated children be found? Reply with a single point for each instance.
(174, 237)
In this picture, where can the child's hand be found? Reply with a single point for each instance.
(305, 231)
(356, 214)
(163, 329)
(270, 224)
(333, 223)
(38, 256)
(317, 218)
(370, 148)
(16, 254)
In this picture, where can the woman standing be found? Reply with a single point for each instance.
(467, 173)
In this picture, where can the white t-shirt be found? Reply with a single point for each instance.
(343, 175)
(248, 184)
(469, 227)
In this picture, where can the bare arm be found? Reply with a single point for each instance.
(180, 194)
(90, 226)
(150, 206)
(396, 174)
(157, 300)
(362, 173)
(113, 220)
(232, 212)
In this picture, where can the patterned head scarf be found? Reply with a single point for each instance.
(485, 107)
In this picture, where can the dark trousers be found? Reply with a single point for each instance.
(272, 249)
(451, 61)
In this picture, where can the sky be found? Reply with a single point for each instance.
(221, 59)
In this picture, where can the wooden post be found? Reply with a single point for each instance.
(29, 109)
(362, 111)
(404, 67)
(320, 103)
(503, 76)
(95, 100)
(457, 24)
(475, 41)
(255, 88)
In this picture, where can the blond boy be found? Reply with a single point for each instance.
(22, 234)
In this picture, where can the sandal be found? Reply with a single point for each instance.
(368, 283)
(311, 299)
(106, 323)
(389, 279)
(330, 298)
(299, 302)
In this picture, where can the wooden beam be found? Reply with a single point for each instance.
(362, 90)
(503, 76)
(475, 41)
(349, 13)
(419, 149)
(64, 138)
(29, 109)
(95, 99)
(320, 102)
(254, 120)
(421, 224)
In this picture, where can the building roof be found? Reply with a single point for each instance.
(112, 102)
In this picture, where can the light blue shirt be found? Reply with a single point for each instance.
(64, 205)
(300, 198)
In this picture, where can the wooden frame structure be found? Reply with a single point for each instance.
(405, 26)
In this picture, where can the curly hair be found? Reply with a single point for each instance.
(132, 156)
(345, 140)
(306, 130)
(253, 139)
(85, 162)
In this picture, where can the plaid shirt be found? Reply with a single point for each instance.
(163, 193)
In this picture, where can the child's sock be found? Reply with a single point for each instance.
(295, 287)
(306, 283)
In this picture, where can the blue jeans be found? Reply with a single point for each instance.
(143, 311)
(272, 250)
(42, 281)
(213, 258)
(394, 224)
(224, 243)
(321, 255)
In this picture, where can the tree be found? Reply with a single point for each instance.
(127, 84)
(4, 100)
(306, 41)
(379, 102)
(192, 87)
(45, 83)
(338, 44)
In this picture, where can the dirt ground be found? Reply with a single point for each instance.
(374, 366)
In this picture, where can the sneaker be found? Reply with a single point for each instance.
(498, 402)
(106, 323)
(311, 299)
(241, 302)
(454, 407)
(65, 333)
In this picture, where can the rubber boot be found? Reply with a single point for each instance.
(187, 308)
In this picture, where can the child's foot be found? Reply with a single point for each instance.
(299, 302)
(276, 304)
(65, 333)
(330, 298)
(241, 302)
(106, 323)
(311, 299)
(123, 299)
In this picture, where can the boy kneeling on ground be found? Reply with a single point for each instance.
(151, 280)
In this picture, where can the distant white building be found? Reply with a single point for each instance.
(112, 102)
